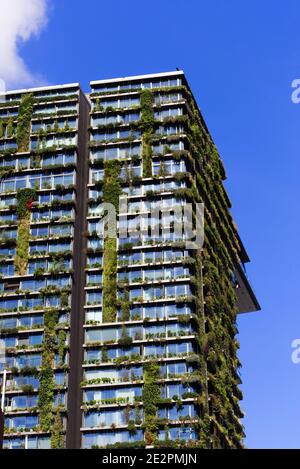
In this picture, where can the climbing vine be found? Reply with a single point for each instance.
(57, 436)
(25, 198)
(125, 306)
(151, 396)
(111, 193)
(111, 184)
(147, 128)
(216, 302)
(62, 335)
(109, 300)
(46, 389)
(24, 118)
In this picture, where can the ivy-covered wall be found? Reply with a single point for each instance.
(46, 390)
(214, 297)
(111, 193)
(215, 267)
(109, 299)
(49, 356)
(151, 397)
(50, 421)
(24, 120)
(25, 199)
(147, 129)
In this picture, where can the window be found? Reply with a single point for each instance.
(33, 360)
(41, 442)
(31, 321)
(94, 298)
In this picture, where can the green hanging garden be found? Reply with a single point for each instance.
(111, 194)
(25, 199)
(24, 120)
(147, 129)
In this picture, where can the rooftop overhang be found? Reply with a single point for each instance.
(246, 299)
(41, 88)
(138, 77)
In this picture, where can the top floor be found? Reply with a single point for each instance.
(47, 93)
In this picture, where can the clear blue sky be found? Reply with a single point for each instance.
(240, 58)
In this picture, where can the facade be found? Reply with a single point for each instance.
(126, 341)
(41, 154)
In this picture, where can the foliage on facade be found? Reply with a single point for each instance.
(111, 183)
(147, 128)
(25, 198)
(57, 435)
(151, 398)
(49, 338)
(219, 297)
(209, 315)
(24, 121)
(213, 299)
(109, 301)
(111, 194)
(46, 390)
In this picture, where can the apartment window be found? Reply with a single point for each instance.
(31, 321)
(8, 323)
(9, 341)
(7, 270)
(40, 442)
(92, 355)
(8, 305)
(94, 298)
(105, 438)
(93, 315)
(30, 303)
(21, 402)
(27, 381)
(154, 350)
(60, 378)
(30, 421)
(40, 231)
(28, 360)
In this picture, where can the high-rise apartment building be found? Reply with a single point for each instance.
(126, 340)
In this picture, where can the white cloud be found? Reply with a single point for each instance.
(20, 21)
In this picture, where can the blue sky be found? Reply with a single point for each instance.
(240, 59)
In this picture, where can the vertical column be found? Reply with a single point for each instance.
(77, 311)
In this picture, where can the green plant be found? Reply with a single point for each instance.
(46, 377)
(56, 126)
(62, 335)
(64, 299)
(131, 427)
(125, 306)
(57, 436)
(24, 118)
(111, 185)
(104, 355)
(27, 388)
(125, 340)
(147, 128)
(151, 398)
(25, 197)
(109, 299)
(10, 128)
(111, 193)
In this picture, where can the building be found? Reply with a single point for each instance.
(40, 159)
(127, 341)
